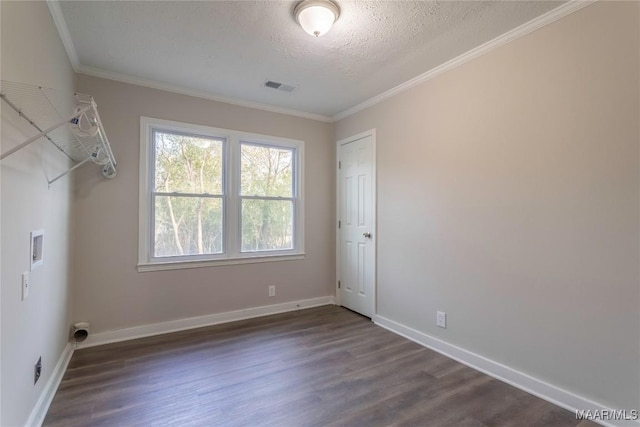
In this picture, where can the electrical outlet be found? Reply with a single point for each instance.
(272, 291)
(37, 370)
(441, 319)
(26, 284)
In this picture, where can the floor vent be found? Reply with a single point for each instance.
(279, 86)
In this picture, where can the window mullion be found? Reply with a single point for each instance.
(176, 194)
(232, 177)
(275, 199)
(151, 238)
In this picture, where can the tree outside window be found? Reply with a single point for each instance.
(214, 195)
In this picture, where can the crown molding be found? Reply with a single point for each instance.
(524, 29)
(63, 31)
(65, 36)
(124, 78)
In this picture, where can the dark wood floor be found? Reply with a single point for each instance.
(317, 367)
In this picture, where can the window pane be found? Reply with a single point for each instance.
(187, 164)
(266, 171)
(187, 226)
(267, 225)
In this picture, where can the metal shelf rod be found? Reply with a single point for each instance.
(42, 132)
(80, 136)
(76, 166)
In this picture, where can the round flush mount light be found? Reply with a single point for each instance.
(316, 16)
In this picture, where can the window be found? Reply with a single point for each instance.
(187, 195)
(214, 196)
(267, 197)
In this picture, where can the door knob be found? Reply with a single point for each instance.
(366, 235)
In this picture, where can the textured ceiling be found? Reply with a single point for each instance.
(229, 48)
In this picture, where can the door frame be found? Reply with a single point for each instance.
(374, 225)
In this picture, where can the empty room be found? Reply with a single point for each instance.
(320, 213)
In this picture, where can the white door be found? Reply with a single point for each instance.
(356, 224)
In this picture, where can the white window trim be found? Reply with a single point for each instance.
(232, 254)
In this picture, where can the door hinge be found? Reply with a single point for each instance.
(339, 165)
(339, 284)
(339, 224)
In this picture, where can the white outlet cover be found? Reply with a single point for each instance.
(25, 285)
(441, 319)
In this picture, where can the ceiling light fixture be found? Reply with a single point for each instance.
(316, 16)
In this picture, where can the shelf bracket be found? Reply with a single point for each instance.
(81, 138)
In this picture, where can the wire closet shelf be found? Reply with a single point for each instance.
(78, 134)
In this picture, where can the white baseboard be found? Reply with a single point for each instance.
(42, 405)
(539, 388)
(200, 321)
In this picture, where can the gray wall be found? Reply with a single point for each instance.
(32, 53)
(508, 197)
(111, 294)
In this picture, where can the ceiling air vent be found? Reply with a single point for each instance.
(279, 86)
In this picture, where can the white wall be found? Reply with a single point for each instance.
(508, 197)
(32, 53)
(111, 294)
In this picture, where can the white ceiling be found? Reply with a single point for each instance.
(230, 48)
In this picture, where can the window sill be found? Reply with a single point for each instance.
(180, 265)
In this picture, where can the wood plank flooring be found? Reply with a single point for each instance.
(325, 366)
